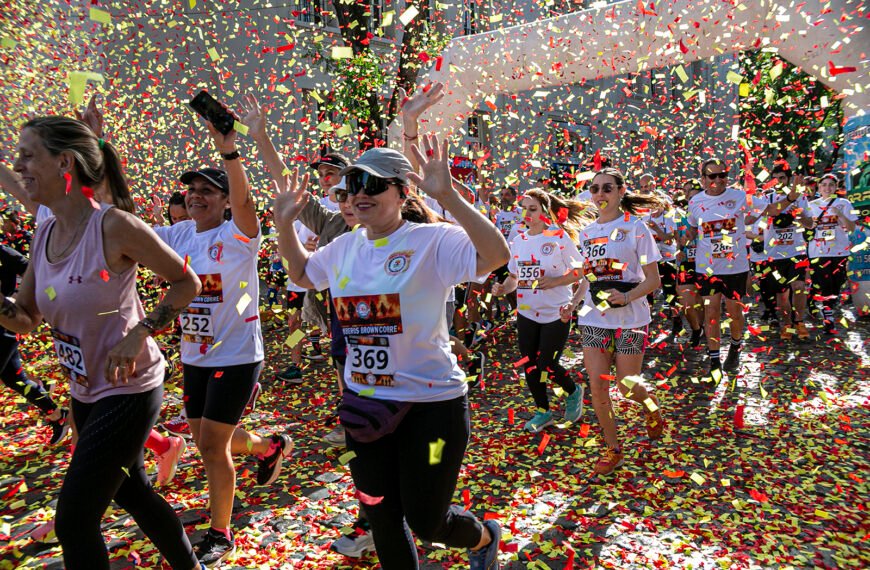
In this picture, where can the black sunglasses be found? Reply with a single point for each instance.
(605, 188)
(715, 175)
(368, 184)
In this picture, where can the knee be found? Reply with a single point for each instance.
(213, 450)
(71, 521)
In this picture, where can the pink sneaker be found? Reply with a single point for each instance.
(167, 462)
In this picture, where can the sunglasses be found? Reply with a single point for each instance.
(368, 184)
(606, 188)
(715, 175)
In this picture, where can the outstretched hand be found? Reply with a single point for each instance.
(415, 105)
(254, 118)
(92, 117)
(434, 164)
(291, 196)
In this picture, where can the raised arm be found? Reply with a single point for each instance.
(258, 127)
(290, 198)
(11, 184)
(241, 202)
(492, 249)
(412, 108)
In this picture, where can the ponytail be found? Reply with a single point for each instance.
(570, 215)
(114, 178)
(630, 202)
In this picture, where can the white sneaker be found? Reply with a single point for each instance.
(335, 438)
(356, 543)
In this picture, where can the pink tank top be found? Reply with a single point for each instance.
(90, 309)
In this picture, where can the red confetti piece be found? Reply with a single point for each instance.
(738, 416)
(544, 441)
(834, 70)
(368, 499)
(104, 275)
(511, 416)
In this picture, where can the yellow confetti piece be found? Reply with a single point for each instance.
(240, 128)
(734, 78)
(744, 90)
(192, 3)
(382, 242)
(77, 81)
(243, 303)
(8, 43)
(409, 15)
(367, 392)
(213, 54)
(294, 338)
(51, 293)
(697, 478)
(345, 458)
(681, 73)
(435, 450)
(343, 283)
(342, 52)
(776, 71)
(100, 16)
(243, 284)
(344, 131)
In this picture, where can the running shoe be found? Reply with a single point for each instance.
(167, 462)
(786, 333)
(44, 533)
(732, 360)
(655, 423)
(315, 354)
(252, 401)
(269, 465)
(609, 461)
(697, 338)
(336, 437)
(829, 328)
(802, 331)
(539, 421)
(574, 404)
(487, 557)
(59, 428)
(292, 375)
(357, 542)
(178, 427)
(214, 548)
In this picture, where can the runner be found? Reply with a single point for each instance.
(389, 282)
(787, 251)
(687, 279)
(544, 263)
(620, 265)
(115, 368)
(833, 219)
(718, 218)
(221, 344)
(12, 266)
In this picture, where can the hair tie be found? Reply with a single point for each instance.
(102, 143)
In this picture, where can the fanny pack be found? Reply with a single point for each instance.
(369, 419)
(757, 245)
(596, 287)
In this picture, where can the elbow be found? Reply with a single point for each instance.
(503, 254)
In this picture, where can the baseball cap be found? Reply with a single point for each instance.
(215, 176)
(342, 185)
(383, 163)
(332, 159)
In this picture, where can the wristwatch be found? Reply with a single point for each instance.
(149, 324)
(232, 155)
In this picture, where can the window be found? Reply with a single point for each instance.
(473, 125)
(470, 18)
(376, 18)
(639, 85)
(567, 139)
(308, 11)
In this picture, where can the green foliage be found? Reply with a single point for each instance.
(788, 113)
(358, 77)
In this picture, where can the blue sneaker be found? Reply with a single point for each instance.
(539, 421)
(574, 405)
(487, 558)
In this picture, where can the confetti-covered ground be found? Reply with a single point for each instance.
(767, 469)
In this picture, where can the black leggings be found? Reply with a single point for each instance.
(828, 277)
(542, 344)
(108, 464)
(12, 374)
(767, 285)
(411, 490)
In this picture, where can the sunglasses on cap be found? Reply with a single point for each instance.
(715, 175)
(369, 184)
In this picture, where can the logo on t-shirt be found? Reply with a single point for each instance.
(212, 289)
(619, 234)
(369, 314)
(730, 204)
(548, 248)
(214, 252)
(398, 262)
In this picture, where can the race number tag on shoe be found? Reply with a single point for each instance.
(70, 356)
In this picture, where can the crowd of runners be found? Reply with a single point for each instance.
(407, 271)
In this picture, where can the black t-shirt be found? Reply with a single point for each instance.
(12, 264)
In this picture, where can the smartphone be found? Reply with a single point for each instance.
(208, 107)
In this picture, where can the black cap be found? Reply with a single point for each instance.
(215, 176)
(332, 159)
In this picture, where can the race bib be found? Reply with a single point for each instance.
(69, 354)
(722, 249)
(595, 248)
(691, 250)
(826, 234)
(197, 326)
(784, 236)
(528, 273)
(371, 361)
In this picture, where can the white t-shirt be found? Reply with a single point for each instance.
(831, 240)
(505, 221)
(221, 327)
(548, 254)
(616, 251)
(787, 242)
(667, 221)
(329, 204)
(439, 209)
(389, 296)
(721, 223)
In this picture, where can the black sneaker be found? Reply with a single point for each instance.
(214, 548)
(732, 361)
(269, 465)
(292, 375)
(59, 428)
(697, 337)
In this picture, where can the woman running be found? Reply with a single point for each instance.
(405, 407)
(833, 220)
(620, 263)
(221, 342)
(100, 336)
(544, 263)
